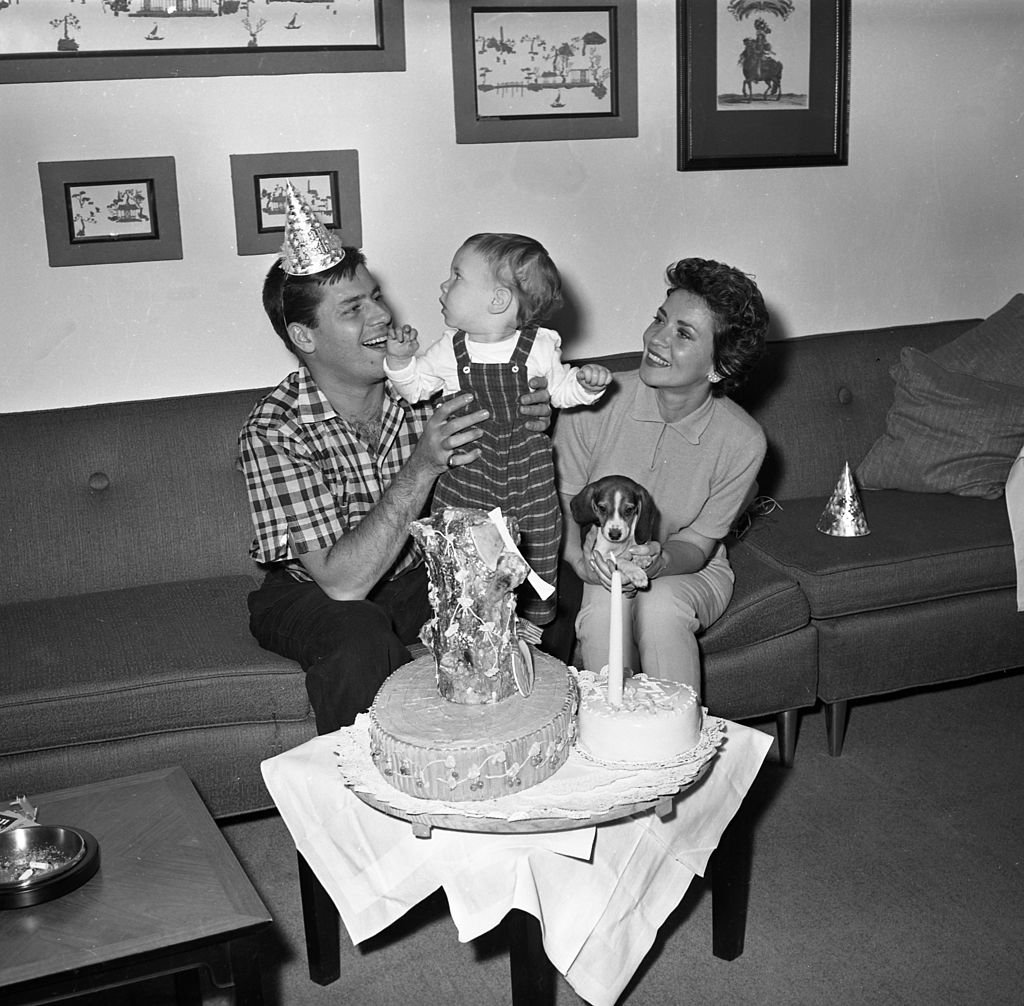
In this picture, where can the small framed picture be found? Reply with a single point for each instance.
(763, 85)
(120, 210)
(327, 180)
(544, 70)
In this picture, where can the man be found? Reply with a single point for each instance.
(336, 468)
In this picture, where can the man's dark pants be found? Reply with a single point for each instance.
(346, 648)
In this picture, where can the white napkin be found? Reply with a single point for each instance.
(1014, 494)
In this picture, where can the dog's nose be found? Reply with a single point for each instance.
(614, 533)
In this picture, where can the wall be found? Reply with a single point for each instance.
(926, 222)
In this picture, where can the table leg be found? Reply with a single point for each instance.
(187, 991)
(730, 888)
(246, 972)
(533, 976)
(321, 923)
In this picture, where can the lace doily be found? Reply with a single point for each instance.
(581, 789)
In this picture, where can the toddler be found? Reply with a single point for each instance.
(501, 286)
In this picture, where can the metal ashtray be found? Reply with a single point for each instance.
(42, 862)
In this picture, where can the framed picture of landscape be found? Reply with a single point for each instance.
(53, 40)
(119, 210)
(763, 83)
(328, 181)
(543, 70)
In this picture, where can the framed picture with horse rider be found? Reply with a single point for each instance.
(763, 83)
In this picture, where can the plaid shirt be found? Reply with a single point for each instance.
(311, 479)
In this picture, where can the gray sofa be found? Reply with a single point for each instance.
(124, 537)
(928, 596)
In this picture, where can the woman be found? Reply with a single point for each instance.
(670, 428)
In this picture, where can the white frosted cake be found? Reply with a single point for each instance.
(485, 714)
(427, 746)
(657, 722)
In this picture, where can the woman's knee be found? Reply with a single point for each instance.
(662, 606)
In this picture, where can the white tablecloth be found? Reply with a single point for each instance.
(600, 893)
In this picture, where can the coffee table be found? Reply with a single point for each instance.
(169, 898)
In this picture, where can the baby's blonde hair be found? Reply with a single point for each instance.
(524, 266)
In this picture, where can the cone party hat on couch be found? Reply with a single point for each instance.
(843, 516)
(309, 247)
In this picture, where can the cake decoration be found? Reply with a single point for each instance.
(472, 578)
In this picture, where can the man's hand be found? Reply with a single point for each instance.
(446, 440)
(593, 377)
(403, 344)
(535, 405)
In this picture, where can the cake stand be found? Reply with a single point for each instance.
(581, 793)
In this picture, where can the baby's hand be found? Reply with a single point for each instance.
(594, 377)
(403, 343)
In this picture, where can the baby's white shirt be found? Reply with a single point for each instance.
(435, 368)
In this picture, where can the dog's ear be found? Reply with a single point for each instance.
(646, 518)
(581, 506)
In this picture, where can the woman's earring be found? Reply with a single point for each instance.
(714, 376)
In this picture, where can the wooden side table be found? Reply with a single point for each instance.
(169, 898)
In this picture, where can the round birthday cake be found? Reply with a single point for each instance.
(657, 722)
(484, 715)
(427, 746)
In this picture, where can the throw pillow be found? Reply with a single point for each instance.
(992, 350)
(946, 432)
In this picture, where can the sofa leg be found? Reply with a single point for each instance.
(836, 715)
(786, 724)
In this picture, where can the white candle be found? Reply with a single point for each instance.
(615, 640)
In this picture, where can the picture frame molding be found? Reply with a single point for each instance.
(714, 140)
(388, 55)
(62, 250)
(251, 238)
(471, 128)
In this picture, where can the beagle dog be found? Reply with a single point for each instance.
(624, 514)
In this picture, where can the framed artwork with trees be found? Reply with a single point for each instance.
(543, 70)
(328, 181)
(118, 210)
(126, 39)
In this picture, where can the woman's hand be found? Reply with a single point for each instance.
(535, 405)
(603, 567)
(579, 558)
(649, 558)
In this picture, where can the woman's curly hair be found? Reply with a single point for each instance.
(741, 319)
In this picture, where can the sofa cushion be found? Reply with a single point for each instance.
(124, 663)
(993, 350)
(946, 432)
(766, 603)
(920, 547)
